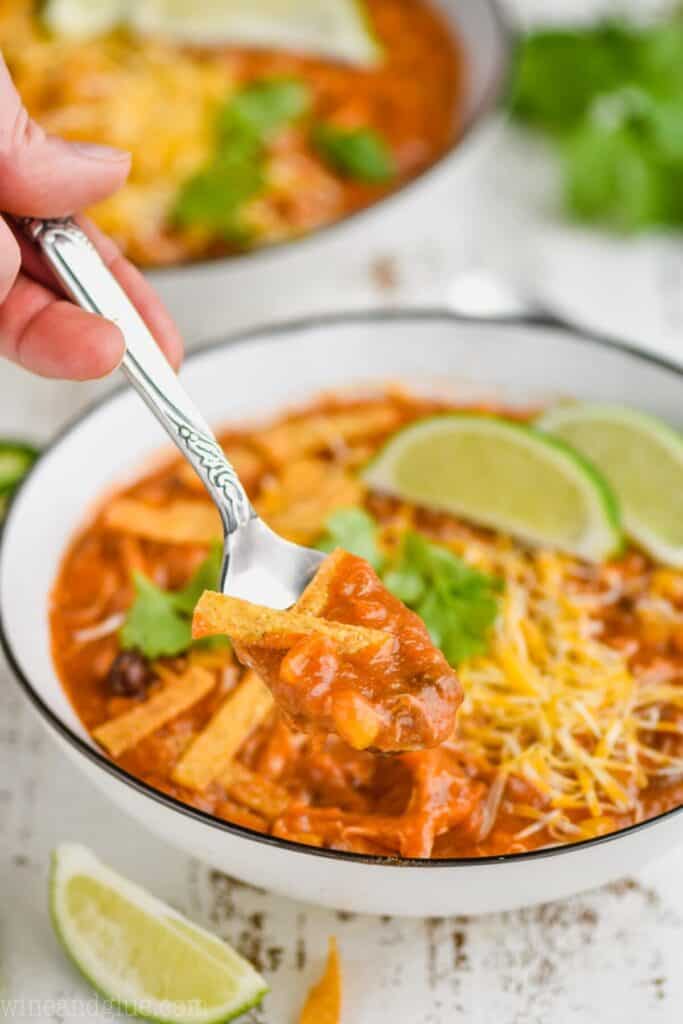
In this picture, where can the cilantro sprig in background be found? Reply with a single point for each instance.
(611, 98)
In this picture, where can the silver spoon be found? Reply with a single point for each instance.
(257, 565)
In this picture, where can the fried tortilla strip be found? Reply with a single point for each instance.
(319, 432)
(254, 791)
(214, 747)
(248, 465)
(314, 597)
(357, 456)
(323, 1005)
(252, 625)
(124, 732)
(299, 480)
(296, 482)
(181, 522)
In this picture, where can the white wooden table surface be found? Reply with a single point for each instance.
(613, 955)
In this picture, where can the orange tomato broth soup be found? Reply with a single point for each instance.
(160, 101)
(572, 722)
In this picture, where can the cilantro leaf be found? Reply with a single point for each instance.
(214, 197)
(661, 55)
(153, 625)
(356, 152)
(611, 95)
(354, 530)
(266, 107)
(624, 164)
(457, 603)
(560, 71)
(159, 622)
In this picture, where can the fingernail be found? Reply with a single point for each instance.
(93, 151)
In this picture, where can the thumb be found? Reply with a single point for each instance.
(44, 176)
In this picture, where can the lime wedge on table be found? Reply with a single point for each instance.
(642, 458)
(139, 952)
(504, 475)
(339, 29)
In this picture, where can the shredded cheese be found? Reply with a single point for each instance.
(554, 704)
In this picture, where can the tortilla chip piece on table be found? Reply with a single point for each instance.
(349, 658)
(324, 1001)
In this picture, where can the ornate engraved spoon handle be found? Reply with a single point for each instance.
(88, 282)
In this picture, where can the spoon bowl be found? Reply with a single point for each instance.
(258, 561)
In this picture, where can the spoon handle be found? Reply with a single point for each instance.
(87, 281)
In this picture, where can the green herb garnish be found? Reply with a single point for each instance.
(458, 604)
(561, 71)
(214, 198)
(265, 107)
(159, 622)
(356, 153)
(624, 163)
(611, 96)
(354, 530)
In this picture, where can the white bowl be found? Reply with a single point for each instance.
(247, 378)
(211, 296)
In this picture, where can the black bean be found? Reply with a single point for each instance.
(129, 675)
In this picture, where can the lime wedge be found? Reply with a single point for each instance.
(503, 475)
(339, 29)
(642, 458)
(140, 953)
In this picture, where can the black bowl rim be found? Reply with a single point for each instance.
(489, 102)
(283, 331)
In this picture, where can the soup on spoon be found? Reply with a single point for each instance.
(348, 658)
